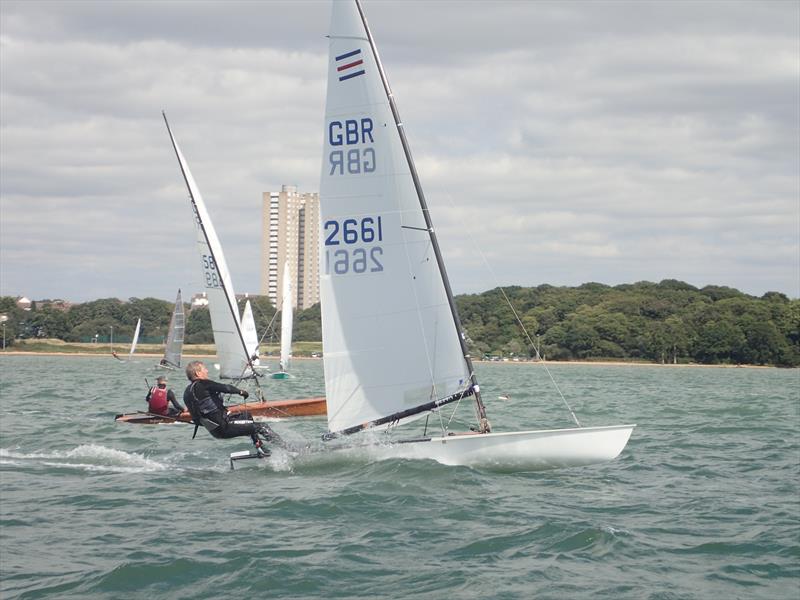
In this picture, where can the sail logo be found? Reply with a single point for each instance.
(347, 65)
(351, 132)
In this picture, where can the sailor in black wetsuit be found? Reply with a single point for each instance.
(202, 397)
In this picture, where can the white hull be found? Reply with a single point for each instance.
(518, 450)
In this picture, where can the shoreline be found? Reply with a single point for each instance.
(602, 363)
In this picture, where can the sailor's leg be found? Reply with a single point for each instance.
(234, 427)
(266, 433)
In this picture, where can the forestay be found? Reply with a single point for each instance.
(225, 322)
(390, 342)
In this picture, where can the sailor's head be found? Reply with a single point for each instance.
(196, 370)
(161, 380)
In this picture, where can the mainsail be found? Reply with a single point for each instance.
(135, 338)
(250, 333)
(286, 319)
(231, 349)
(174, 345)
(391, 343)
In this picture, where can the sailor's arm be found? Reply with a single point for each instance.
(174, 401)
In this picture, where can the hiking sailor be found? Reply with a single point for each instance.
(202, 397)
(159, 399)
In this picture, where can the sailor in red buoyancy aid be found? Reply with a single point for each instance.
(159, 399)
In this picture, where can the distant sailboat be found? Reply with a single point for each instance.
(394, 347)
(133, 343)
(250, 334)
(287, 315)
(174, 346)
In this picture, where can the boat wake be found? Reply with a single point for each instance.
(88, 457)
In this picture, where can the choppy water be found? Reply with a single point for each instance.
(703, 503)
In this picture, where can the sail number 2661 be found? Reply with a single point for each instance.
(347, 233)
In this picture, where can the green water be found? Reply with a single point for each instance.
(703, 503)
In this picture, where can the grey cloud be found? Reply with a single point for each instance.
(604, 141)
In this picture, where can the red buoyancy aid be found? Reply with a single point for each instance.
(158, 400)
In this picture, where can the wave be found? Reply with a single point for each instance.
(90, 457)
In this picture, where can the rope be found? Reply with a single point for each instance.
(513, 310)
(269, 327)
(411, 273)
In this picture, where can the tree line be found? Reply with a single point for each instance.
(98, 320)
(666, 322)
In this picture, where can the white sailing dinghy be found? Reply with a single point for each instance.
(394, 348)
(287, 315)
(134, 341)
(174, 346)
(250, 334)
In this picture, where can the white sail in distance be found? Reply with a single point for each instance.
(225, 322)
(287, 315)
(250, 333)
(135, 338)
(174, 346)
(389, 338)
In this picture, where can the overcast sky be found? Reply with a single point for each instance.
(564, 141)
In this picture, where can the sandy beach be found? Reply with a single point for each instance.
(599, 363)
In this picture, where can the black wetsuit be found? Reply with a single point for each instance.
(203, 399)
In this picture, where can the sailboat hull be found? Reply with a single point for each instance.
(165, 368)
(276, 409)
(519, 450)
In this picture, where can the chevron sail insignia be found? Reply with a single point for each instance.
(349, 65)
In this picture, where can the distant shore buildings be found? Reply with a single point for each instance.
(290, 225)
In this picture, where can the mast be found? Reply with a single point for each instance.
(232, 309)
(484, 426)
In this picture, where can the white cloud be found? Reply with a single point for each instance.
(602, 141)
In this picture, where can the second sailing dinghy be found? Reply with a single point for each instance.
(251, 340)
(134, 341)
(394, 348)
(287, 315)
(173, 349)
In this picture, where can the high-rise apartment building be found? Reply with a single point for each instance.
(290, 225)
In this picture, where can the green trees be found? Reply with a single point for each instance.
(666, 322)
(198, 327)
